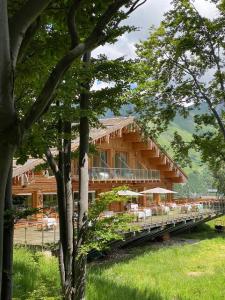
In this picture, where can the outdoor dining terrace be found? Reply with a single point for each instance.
(46, 231)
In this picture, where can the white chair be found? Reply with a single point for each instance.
(50, 223)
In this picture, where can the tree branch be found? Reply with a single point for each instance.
(51, 161)
(27, 38)
(94, 39)
(207, 99)
(216, 59)
(21, 21)
(98, 32)
(72, 23)
(127, 13)
(135, 6)
(45, 97)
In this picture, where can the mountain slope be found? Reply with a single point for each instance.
(185, 128)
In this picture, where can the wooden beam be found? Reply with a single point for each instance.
(131, 137)
(149, 152)
(137, 146)
(162, 167)
(156, 160)
(170, 174)
(179, 179)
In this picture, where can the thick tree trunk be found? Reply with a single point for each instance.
(7, 115)
(82, 227)
(8, 243)
(5, 163)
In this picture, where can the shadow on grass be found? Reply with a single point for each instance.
(101, 289)
(202, 232)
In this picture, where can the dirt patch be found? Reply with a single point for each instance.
(195, 274)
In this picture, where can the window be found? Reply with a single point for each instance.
(101, 160)
(139, 166)
(22, 201)
(50, 201)
(121, 160)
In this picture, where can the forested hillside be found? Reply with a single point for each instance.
(200, 178)
(184, 127)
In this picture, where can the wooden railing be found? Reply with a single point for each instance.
(151, 218)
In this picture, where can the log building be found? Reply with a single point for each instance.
(123, 157)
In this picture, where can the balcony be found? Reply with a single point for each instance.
(99, 173)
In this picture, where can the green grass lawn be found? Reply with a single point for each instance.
(180, 272)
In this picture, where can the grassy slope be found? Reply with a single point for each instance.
(187, 272)
(190, 272)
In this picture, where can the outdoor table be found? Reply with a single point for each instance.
(148, 212)
(132, 206)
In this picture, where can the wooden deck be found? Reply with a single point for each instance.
(34, 234)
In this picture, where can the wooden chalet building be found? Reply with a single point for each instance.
(124, 157)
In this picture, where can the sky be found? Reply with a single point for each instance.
(151, 13)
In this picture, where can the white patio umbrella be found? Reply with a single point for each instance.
(156, 193)
(158, 190)
(129, 193)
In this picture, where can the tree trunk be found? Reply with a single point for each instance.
(62, 214)
(69, 209)
(82, 227)
(62, 173)
(8, 243)
(5, 163)
(7, 115)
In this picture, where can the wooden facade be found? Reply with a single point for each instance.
(124, 157)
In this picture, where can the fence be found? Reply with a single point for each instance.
(40, 233)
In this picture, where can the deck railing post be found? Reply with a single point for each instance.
(25, 235)
(54, 229)
(42, 238)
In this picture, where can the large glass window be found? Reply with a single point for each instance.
(101, 160)
(121, 160)
(22, 201)
(139, 166)
(50, 201)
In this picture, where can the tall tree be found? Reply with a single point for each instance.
(20, 23)
(181, 68)
(82, 223)
(53, 132)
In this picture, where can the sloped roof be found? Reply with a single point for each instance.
(29, 165)
(110, 126)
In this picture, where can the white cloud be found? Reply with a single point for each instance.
(99, 85)
(151, 13)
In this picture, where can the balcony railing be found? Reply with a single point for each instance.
(98, 173)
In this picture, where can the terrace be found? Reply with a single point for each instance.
(153, 221)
